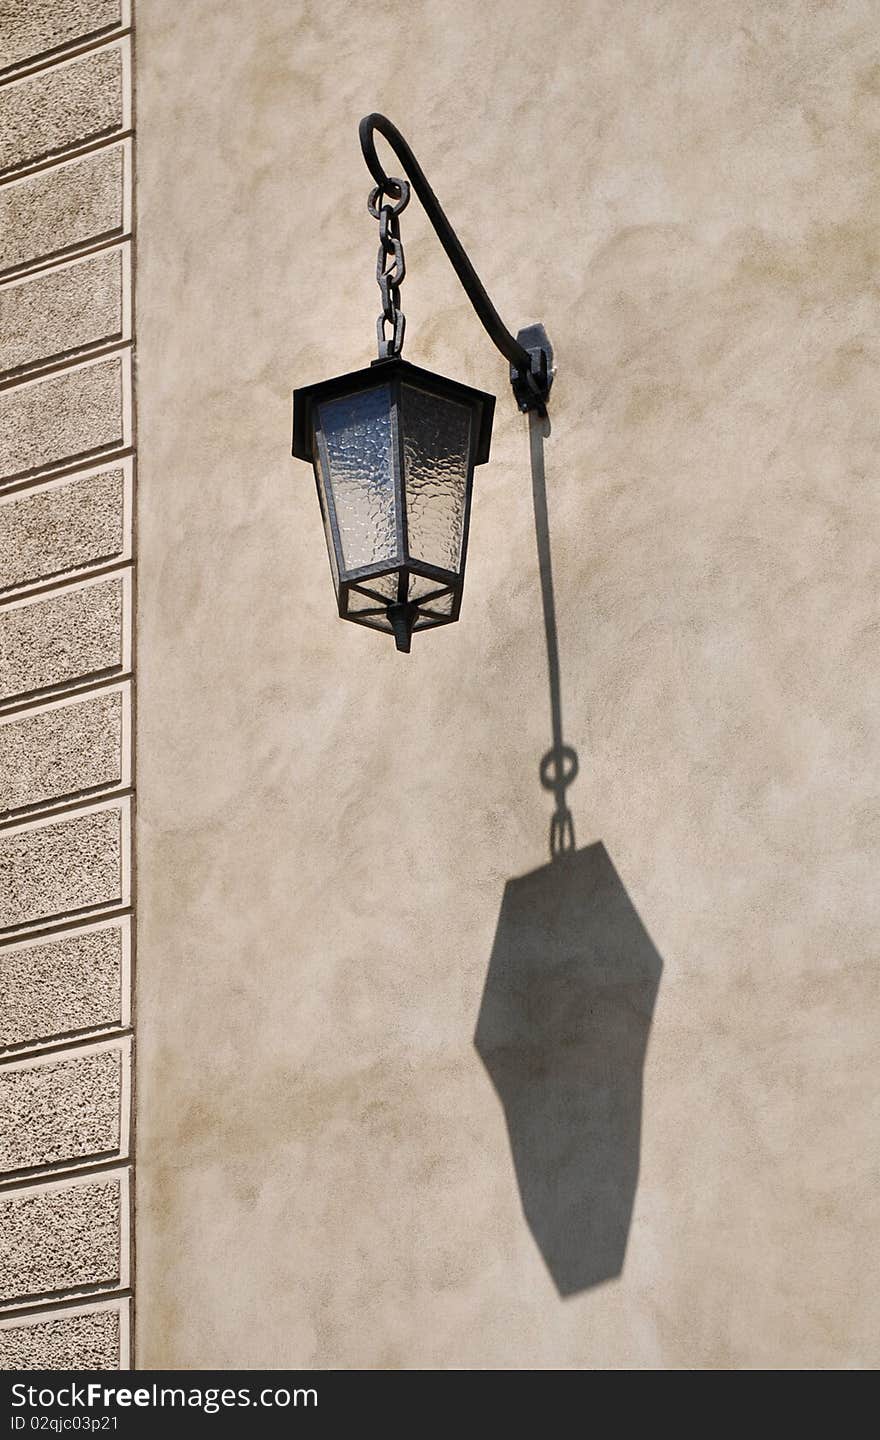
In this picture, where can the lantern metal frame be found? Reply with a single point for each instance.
(405, 613)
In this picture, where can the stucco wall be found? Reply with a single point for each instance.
(661, 1151)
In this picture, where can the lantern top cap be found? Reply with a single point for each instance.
(382, 372)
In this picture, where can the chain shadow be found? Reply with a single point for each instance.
(566, 1013)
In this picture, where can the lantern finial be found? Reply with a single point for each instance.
(403, 618)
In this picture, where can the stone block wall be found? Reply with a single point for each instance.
(67, 474)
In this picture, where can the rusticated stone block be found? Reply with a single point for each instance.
(60, 108)
(61, 1238)
(63, 208)
(62, 866)
(62, 418)
(87, 1339)
(58, 986)
(59, 313)
(34, 28)
(64, 637)
(61, 1109)
(64, 751)
(62, 527)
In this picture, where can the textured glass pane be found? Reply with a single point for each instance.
(384, 585)
(436, 441)
(441, 606)
(420, 585)
(358, 602)
(357, 433)
(327, 532)
(377, 622)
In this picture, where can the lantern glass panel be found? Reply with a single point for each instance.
(442, 605)
(436, 453)
(376, 622)
(359, 469)
(420, 585)
(384, 585)
(358, 601)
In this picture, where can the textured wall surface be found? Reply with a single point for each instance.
(66, 513)
(68, 749)
(63, 208)
(69, 636)
(61, 1109)
(58, 109)
(74, 308)
(34, 28)
(62, 1237)
(343, 860)
(64, 526)
(48, 423)
(65, 985)
(50, 868)
(89, 1339)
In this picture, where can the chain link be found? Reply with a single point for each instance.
(390, 264)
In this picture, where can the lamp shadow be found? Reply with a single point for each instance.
(566, 1013)
(562, 1031)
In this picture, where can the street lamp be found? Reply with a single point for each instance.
(394, 446)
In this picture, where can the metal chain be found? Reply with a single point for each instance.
(390, 264)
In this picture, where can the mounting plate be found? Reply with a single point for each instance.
(532, 387)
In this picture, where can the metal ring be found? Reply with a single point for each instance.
(376, 197)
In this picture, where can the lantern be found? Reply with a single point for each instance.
(394, 449)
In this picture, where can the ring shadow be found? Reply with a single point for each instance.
(566, 1013)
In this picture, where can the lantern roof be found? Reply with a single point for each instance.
(380, 372)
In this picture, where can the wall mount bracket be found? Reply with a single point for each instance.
(530, 353)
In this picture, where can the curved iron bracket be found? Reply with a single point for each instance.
(530, 354)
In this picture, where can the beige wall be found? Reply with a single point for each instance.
(339, 844)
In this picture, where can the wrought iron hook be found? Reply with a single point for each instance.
(531, 366)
